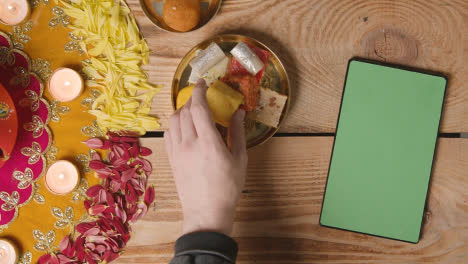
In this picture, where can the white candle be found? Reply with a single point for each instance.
(62, 177)
(14, 12)
(8, 253)
(65, 85)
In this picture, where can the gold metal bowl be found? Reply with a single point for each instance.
(153, 10)
(275, 78)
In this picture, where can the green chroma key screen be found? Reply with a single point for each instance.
(383, 153)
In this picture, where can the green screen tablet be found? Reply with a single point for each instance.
(383, 152)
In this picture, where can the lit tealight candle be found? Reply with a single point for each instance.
(62, 177)
(65, 85)
(8, 253)
(14, 12)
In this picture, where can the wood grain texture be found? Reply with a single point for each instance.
(315, 40)
(278, 215)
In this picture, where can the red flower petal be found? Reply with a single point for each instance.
(97, 165)
(134, 151)
(66, 247)
(144, 151)
(131, 194)
(110, 256)
(94, 143)
(149, 196)
(94, 191)
(45, 259)
(83, 227)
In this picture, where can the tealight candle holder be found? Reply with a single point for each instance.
(8, 254)
(62, 177)
(14, 12)
(65, 85)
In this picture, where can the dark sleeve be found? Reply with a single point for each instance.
(205, 248)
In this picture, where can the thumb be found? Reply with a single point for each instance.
(236, 137)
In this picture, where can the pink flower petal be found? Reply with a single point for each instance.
(97, 209)
(92, 231)
(65, 260)
(128, 174)
(94, 143)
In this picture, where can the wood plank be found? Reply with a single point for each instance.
(278, 215)
(315, 40)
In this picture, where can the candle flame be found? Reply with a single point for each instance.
(11, 8)
(61, 176)
(67, 83)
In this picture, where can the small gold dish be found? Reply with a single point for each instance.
(275, 78)
(154, 8)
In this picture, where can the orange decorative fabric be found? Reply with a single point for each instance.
(47, 218)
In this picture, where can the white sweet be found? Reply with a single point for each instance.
(217, 72)
(247, 58)
(207, 59)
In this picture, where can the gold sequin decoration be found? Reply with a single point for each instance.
(21, 77)
(89, 101)
(84, 159)
(25, 178)
(56, 110)
(74, 44)
(37, 197)
(19, 35)
(60, 18)
(7, 56)
(45, 242)
(11, 201)
(31, 100)
(26, 258)
(80, 193)
(34, 153)
(36, 126)
(64, 217)
(42, 68)
(51, 155)
(92, 130)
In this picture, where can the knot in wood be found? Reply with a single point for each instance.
(390, 45)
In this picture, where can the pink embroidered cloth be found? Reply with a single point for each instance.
(27, 162)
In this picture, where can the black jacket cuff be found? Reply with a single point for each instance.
(207, 243)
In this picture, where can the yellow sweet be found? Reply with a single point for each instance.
(184, 95)
(223, 101)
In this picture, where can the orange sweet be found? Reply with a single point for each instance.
(182, 15)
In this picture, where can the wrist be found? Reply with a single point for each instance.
(206, 221)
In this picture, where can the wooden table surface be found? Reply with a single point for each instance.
(277, 219)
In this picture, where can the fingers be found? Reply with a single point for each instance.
(201, 115)
(174, 127)
(168, 143)
(237, 135)
(187, 127)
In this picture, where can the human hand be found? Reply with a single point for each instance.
(209, 177)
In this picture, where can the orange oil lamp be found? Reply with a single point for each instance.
(8, 125)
